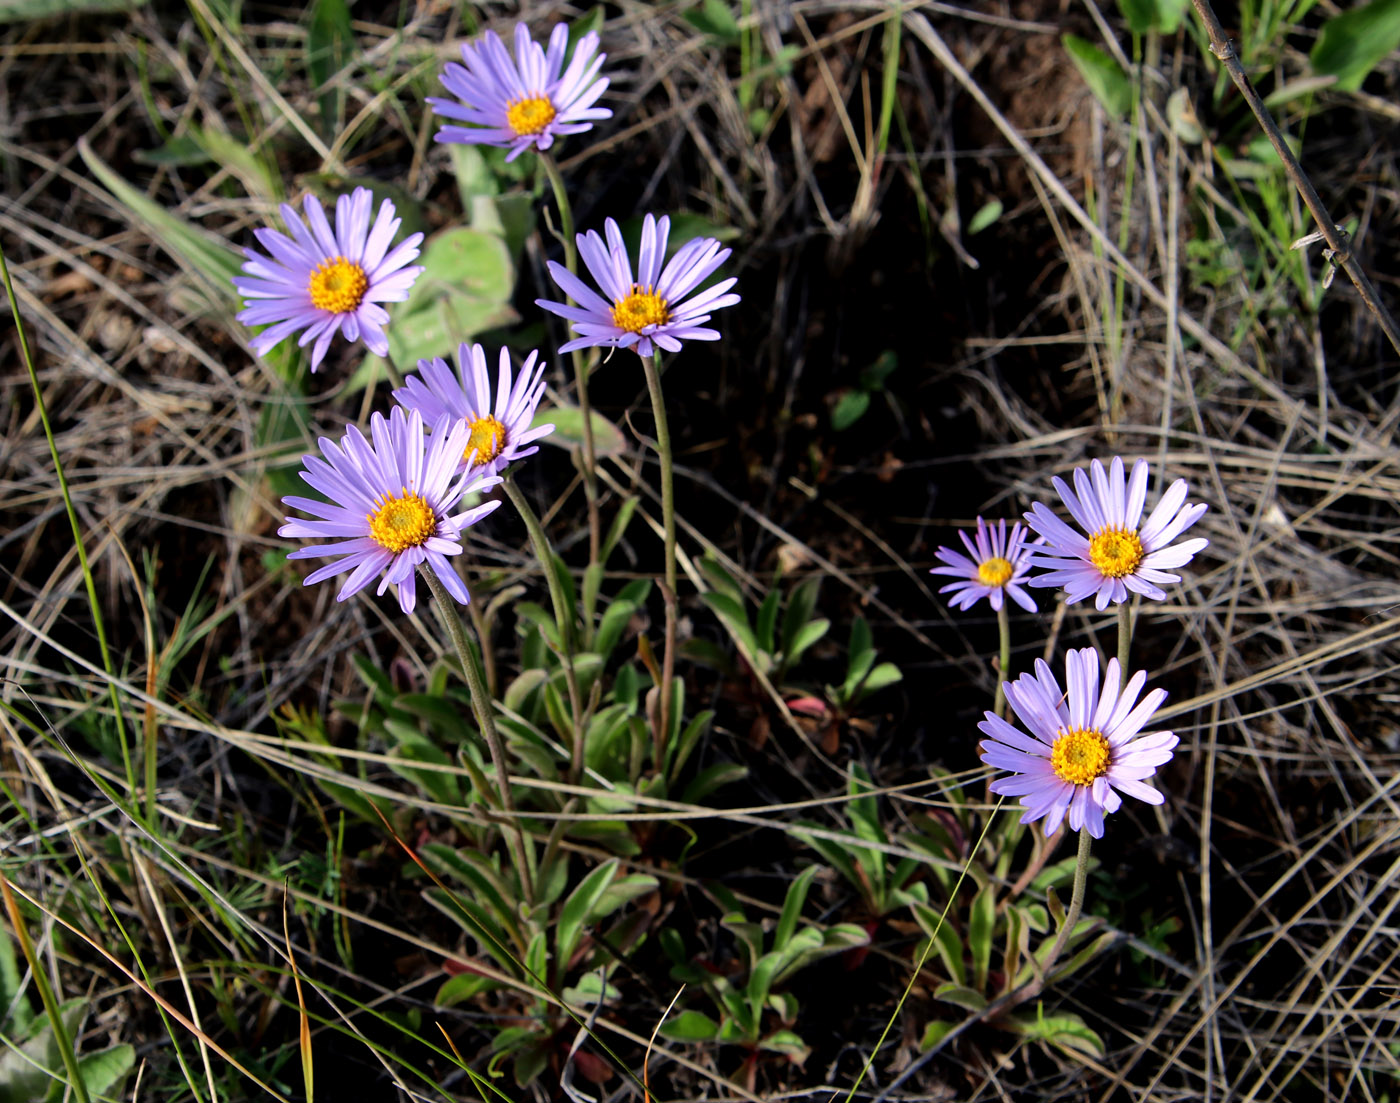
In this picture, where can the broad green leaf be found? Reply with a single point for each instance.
(787, 1043)
(568, 430)
(1064, 1029)
(961, 995)
(101, 1070)
(886, 674)
(1355, 42)
(1102, 74)
(690, 1026)
(805, 637)
(714, 17)
(934, 1033)
(1140, 15)
(849, 409)
(711, 778)
(462, 987)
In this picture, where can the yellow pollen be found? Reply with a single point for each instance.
(994, 571)
(641, 308)
(529, 115)
(1115, 551)
(401, 522)
(488, 439)
(338, 285)
(1080, 756)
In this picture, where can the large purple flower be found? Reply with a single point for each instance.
(525, 102)
(500, 433)
(1119, 553)
(390, 505)
(1087, 745)
(325, 281)
(999, 565)
(650, 310)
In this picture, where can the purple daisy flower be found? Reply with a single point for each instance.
(1088, 745)
(499, 434)
(1119, 554)
(327, 282)
(525, 102)
(390, 505)
(649, 310)
(999, 564)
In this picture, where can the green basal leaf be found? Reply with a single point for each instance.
(849, 409)
(568, 430)
(1354, 42)
(980, 925)
(1102, 74)
(961, 995)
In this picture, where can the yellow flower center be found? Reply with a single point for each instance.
(338, 285)
(402, 522)
(529, 115)
(487, 440)
(642, 308)
(994, 571)
(1115, 551)
(1080, 756)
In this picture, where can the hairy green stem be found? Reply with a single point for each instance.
(51, 1003)
(1076, 902)
(590, 460)
(81, 550)
(668, 523)
(563, 617)
(1004, 671)
(482, 706)
(1125, 638)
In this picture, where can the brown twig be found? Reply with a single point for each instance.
(1224, 49)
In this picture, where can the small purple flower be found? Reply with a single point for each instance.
(327, 282)
(998, 566)
(525, 102)
(499, 435)
(649, 310)
(1118, 555)
(390, 505)
(1088, 745)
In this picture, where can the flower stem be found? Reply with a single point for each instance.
(1004, 670)
(563, 617)
(1076, 900)
(668, 522)
(482, 706)
(590, 480)
(1125, 637)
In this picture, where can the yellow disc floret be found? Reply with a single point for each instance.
(995, 571)
(529, 115)
(488, 439)
(402, 521)
(338, 285)
(1115, 552)
(641, 308)
(1080, 755)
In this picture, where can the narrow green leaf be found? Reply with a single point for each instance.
(330, 44)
